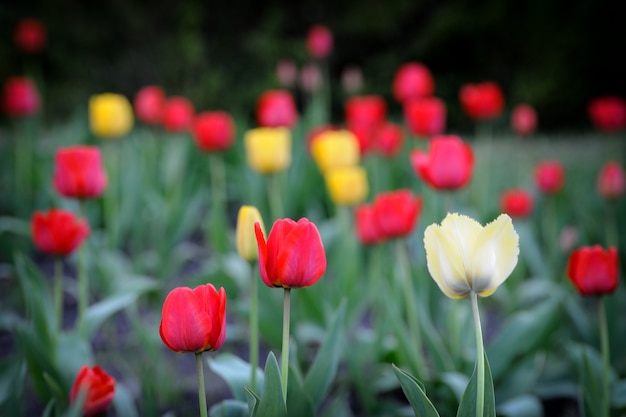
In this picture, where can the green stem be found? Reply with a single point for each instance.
(58, 293)
(254, 326)
(217, 224)
(83, 281)
(604, 346)
(612, 237)
(285, 353)
(201, 393)
(111, 195)
(275, 199)
(480, 357)
(411, 308)
(23, 166)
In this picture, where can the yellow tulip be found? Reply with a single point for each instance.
(347, 186)
(463, 256)
(110, 115)
(268, 149)
(335, 149)
(246, 239)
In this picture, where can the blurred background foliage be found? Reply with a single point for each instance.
(556, 54)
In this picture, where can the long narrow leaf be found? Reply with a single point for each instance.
(422, 407)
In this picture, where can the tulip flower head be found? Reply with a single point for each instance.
(335, 149)
(347, 186)
(412, 80)
(517, 203)
(447, 166)
(425, 116)
(213, 131)
(110, 115)
(524, 120)
(268, 149)
(369, 111)
(20, 97)
(293, 255)
(483, 101)
(276, 108)
(549, 176)
(58, 232)
(388, 139)
(177, 115)
(194, 320)
(464, 256)
(246, 238)
(148, 104)
(98, 388)
(593, 270)
(396, 212)
(319, 41)
(352, 79)
(608, 113)
(611, 181)
(367, 229)
(30, 35)
(79, 172)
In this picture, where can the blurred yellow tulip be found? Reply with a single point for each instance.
(347, 186)
(246, 238)
(110, 115)
(463, 256)
(335, 149)
(268, 149)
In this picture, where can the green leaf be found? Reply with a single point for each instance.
(253, 402)
(98, 313)
(272, 402)
(324, 368)
(521, 406)
(457, 382)
(422, 407)
(591, 385)
(229, 408)
(467, 408)
(12, 379)
(236, 373)
(619, 394)
(74, 352)
(123, 403)
(298, 399)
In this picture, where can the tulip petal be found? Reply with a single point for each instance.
(301, 257)
(185, 326)
(262, 247)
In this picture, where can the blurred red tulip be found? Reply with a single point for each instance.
(194, 321)
(550, 176)
(517, 203)
(99, 388)
(20, 97)
(58, 232)
(388, 139)
(425, 116)
(369, 111)
(149, 103)
(293, 256)
(412, 80)
(319, 41)
(213, 131)
(483, 101)
(608, 113)
(276, 108)
(79, 172)
(352, 79)
(524, 120)
(611, 181)
(449, 164)
(286, 73)
(30, 35)
(366, 227)
(177, 115)
(396, 212)
(593, 270)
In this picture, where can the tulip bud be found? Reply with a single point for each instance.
(268, 149)
(98, 388)
(549, 176)
(483, 101)
(319, 41)
(246, 238)
(58, 232)
(20, 97)
(347, 185)
(412, 80)
(149, 103)
(447, 166)
(524, 120)
(110, 115)
(611, 181)
(30, 35)
(335, 149)
(517, 203)
(593, 270)
(79, 172)
(177, 115)
(608, 113)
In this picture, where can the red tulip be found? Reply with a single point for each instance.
(365, 136)
(214, 131)
(412, 80)
(364, 115)
(58, 232)
(593, 270)
(177, 115)
(550, 176)
(149, 103)
(20, 97)
(319, 41)
(425, 116)
(524, 120)
(30, 35)
(396, 212)
(276, 108)
(517, 203)
(99, 388)
(482, 101)
(366, 227)
(79, 172)
(611, 181)
(293, 256)
(449, 164)
(608, 113)
(388, 139)
(194, 320)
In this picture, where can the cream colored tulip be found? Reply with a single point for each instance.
(110, 115)
(463, 256)
(347, 186)
(335, 149)
(246, 239)
(268, 149)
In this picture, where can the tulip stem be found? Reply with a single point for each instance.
(83, 282)
(411, 308)
(217, 226)
(480, 357)
(604, 346)
(285, 353)
(201, 393)
(111, 196)
(254, 326)
(58, 293)
(275, 199)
